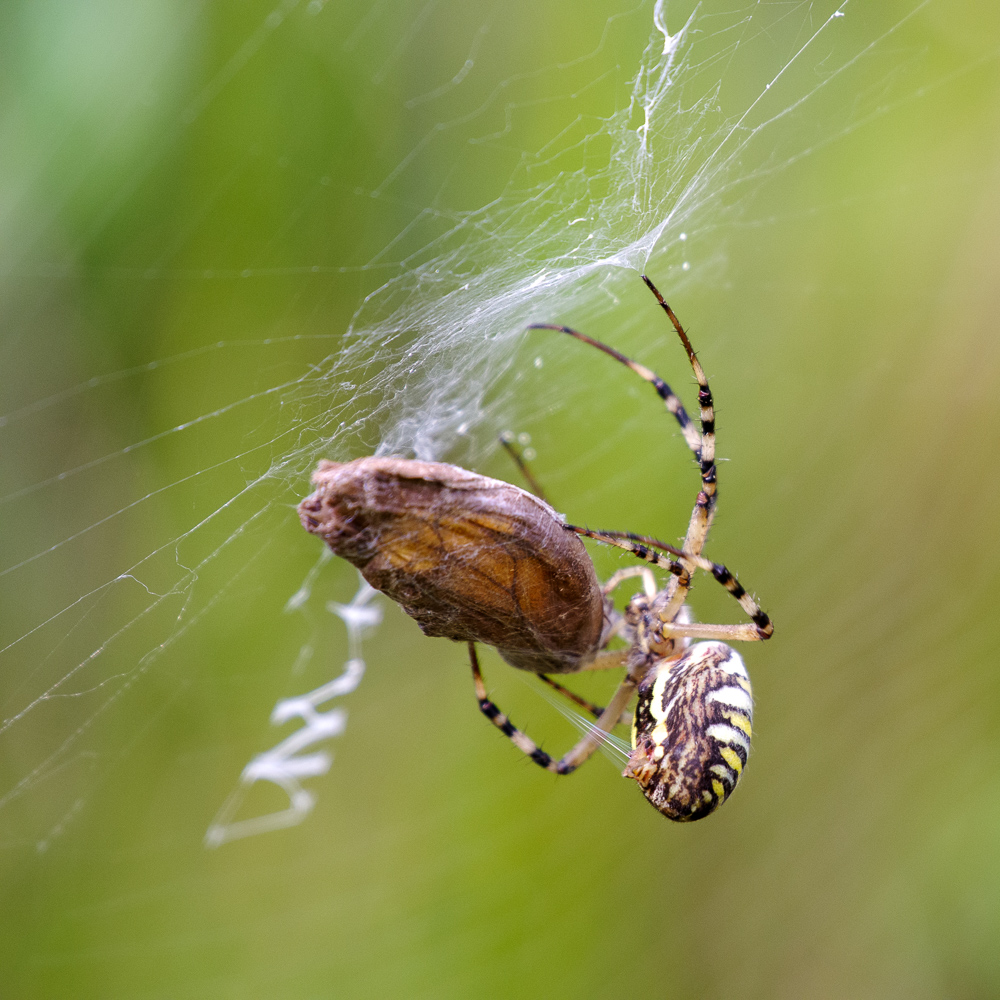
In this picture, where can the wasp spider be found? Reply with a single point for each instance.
(476, 559)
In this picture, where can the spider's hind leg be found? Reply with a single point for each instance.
(589, 707)
(606, 721)
(523, 742)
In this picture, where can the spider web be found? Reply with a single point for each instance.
(511, 191)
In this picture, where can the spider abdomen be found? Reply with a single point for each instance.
(691, 734)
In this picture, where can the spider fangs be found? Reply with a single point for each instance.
(475, 559)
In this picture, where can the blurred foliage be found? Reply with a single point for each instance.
(182, 175)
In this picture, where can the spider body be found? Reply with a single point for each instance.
(478, 560)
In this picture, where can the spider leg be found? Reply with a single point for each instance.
(725, 633)
(648, 583)
(589, 707)
(721, 575)
(707, 500)
(703, 445)
(606, 659)
(641, 546)
(522, 465)
(704, 511)
(584, 749)
(673, 404)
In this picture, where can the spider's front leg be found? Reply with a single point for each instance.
(643, 547)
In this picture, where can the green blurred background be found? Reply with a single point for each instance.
(195, 200)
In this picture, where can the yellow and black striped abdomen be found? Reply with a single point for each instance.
(691, 734)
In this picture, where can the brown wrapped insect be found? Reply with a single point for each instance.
(475, 559)
(470, 558)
